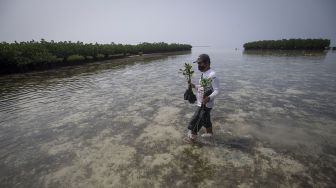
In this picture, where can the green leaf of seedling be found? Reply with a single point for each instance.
(187, 70)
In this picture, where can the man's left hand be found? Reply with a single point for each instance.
(206, 100)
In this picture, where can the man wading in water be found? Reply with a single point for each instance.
(207, 90)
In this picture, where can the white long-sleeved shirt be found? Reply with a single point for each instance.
(214, 86)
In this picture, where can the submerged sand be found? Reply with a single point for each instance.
(123, 126)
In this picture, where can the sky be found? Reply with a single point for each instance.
(222, 23)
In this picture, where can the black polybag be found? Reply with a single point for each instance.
(189, 95)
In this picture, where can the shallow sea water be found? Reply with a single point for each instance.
(121, 123)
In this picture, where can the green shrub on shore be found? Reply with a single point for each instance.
(14, 56)
(75, 58)
(290, 44)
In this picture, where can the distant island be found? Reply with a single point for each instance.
(39, 55)
(288, 44)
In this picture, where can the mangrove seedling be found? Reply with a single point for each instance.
(206, 82)
(187, 73)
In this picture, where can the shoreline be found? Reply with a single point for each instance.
(55, 65)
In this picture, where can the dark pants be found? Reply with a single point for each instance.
(200, 118)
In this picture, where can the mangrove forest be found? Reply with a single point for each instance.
(288, 44)
(39, 55)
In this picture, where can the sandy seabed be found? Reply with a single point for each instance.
(123, 126)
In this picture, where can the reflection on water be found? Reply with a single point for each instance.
(121, 124)
(296, 53)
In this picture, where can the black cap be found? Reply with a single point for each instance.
(203, 58)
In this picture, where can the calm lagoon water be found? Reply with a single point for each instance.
(121, 123)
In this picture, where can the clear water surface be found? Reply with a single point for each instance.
(121, 123)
